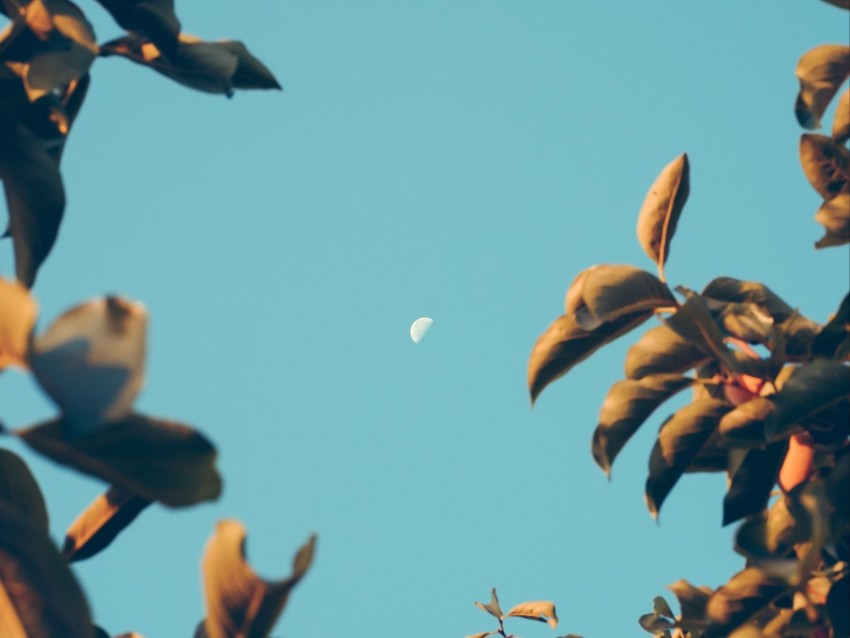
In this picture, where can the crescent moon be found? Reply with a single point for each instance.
(419, 327)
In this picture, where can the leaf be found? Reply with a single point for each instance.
(837, 608)
(154, 19)
(813, 389)
(483, 634)
(661, 209)
(250, 72)
(155, 459)
(565, 344)
(842, 4)
(98, 525)
(743, 427)
(680, 440)
(38, 593)
(692, 602)
(492, 607)
(834, 216)
(821, 71)
(694, 323)
(752, 483)
(774, 533)
(17, 318)
(238, 602)
(661, 350)
(798, 333)
(833, 337)
(540, 610)
(661, 607)
(20, 492)
(655, 624)
(747, 322)
(747, 593)
(606, 293)
(841, 123)
(734, 290)
(90, 361)
(825, 164)
(627, 405)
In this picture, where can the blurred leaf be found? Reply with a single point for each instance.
(38, 594)
(152, 18)
(821, 71)
(693, 322)
(747, 322)
(798, 333)
(838, 496)
(17, 318)
(661, 350)
(825, 164)
(98, 525)
(655, 624)
(744, 425)
(837, 607)
(565, 344)
(738, 291)
(746, 594)
(749, 490)
(692, 601)
(680, 440)
(240, 603)
(19, 490)
(483, 634)
(841, 123)
(213, 67)
(661, 607)
(812, 389)
(833, 337)
(834, 216)
(90, 361)
(492, 607)
(661, 209)
(540, 610)
(774, 533)
(627, 405)
(607, 293)
(155, 459)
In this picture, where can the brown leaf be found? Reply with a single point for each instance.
(825, 163)
(492, 607)
(733, 290)
(20, 492)
(661, 350)
(821, 71)
(540, 610)
(841, 123)
(483, 634)
(747, 593)
(834, 216)
(98, 525)
(661, 209)
(18, 312)
(155, 459)
(240, 603)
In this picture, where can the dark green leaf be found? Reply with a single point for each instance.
(832, 340)
(834, 216)
(837, 607)
(565, 344)
(752, 483)
(736, 290)
(152, 18)
(661, 209)
(19, 490)
(825, 164)
(38, 594)
(492, 607)
(798, 332)
(838, 495)
(681, 438)
(746, 594)
(155, 459)
(743, 427)
(238, 602)
(250, 72)
(627, 405)
(96, 527)
(661, 350)
(821, 71)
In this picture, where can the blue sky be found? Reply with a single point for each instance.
(462, 160)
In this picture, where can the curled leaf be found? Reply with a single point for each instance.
(834, 216)
(492, 607)
(18, 311)
(826, 164)
(540, 610)
(821, 71)
(661, 209)
(238, 602)
(19, 490)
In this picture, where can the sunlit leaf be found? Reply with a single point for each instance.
(747, 322)
(813, 389)
(98, 525)
(661, 350)
(680, 440)
(693, 322)
(18, 312)
(38, 594)
(152, 18)
(661, 607)
(841, 123)
(20, 492)
(90, 361)
(238, 602)
(837, 607)
(825, 164)
(747, 593)
(541, 610)
(821, 71)
(692, 602)
(492, 607)
(565, 344)
(155, 459)
(752, 483)
(744, 425)
(734, 290)
(627, 405)
(661, 209)
(834, 216)
(833, 338)
(483, 634)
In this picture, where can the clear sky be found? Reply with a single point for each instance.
(460, 159)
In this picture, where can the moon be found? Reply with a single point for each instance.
(419, 327)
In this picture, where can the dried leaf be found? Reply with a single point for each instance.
(238, 602)
(841, 123)
(681, 438)
(752, 483)
(540, 610)
(826, 164)
(18, 312)
(661, 209)
(38, 593)
(628, 404)
(747, 593)
(834, 216)
(98, 525)
(492, 607)
(20, 492)
(155, 459)
(661, 350)
(821, 71)
(90, 361)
